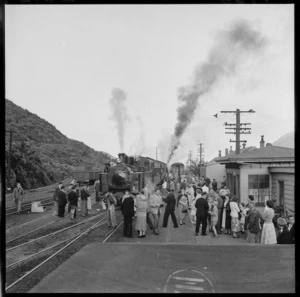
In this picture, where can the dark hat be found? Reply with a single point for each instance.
(134, 192)
(281, 222)
(62, 187)
(204, 193)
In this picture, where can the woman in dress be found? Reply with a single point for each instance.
(141, 214)
(268, 235)
(182, 204)
(234, 213)
(226, 223)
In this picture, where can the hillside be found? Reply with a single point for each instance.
(40, 153)
(287, 140)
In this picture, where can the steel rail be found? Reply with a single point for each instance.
(32, 231)
(53, 233)
(110, 233)
(46, 260)
(26, 209)
(48, 248)
(21, 225)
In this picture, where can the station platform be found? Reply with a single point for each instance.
(120, 267)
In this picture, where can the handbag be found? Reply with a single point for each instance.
(184, 208)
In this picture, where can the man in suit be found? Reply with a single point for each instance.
(127, 208)
(62, 201)
(170, 209)
(291, 227)
(201, 213)
(18, 195)
(214, 185)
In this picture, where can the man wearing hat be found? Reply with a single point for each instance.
(253, 223)
(62, 201)
(201, 213)
(170, 209)
(73, 201)
(283, 236)
(127, 208)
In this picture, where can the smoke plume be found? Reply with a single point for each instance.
(138, 146)
(119, 113)
(231, 48)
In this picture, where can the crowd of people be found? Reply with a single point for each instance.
(209, 209)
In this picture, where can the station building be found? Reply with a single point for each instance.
(266, 173)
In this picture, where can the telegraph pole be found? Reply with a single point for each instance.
(238, 128)
(9, 157)
(156, 153)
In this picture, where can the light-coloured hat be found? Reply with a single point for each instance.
(281, 222)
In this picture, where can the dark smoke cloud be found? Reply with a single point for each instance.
(231, 48)
(119, 113)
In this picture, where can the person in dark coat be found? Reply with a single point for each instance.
(73, 201)
(291, 227)
(127, 208)
(214, 185)
(61, 201)
(170, 209)
(283, 236)
(84, 197)
(201, 214)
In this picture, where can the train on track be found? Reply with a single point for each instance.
(177, 172)
(128, 173)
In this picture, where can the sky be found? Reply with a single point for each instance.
(67, 63)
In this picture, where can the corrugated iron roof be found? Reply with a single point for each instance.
(265, 154)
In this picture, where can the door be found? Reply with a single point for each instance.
(281, 192)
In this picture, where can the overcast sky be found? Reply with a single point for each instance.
(62, 63)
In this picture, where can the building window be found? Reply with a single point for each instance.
(258, 187)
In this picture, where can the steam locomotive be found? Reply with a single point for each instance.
(128, 174)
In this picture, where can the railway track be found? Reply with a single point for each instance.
(27, 206)
(49, 255)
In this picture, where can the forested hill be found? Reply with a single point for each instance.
(41, 154)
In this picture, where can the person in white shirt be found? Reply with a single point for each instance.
(234, 213)
(155, 201)
(205, 188)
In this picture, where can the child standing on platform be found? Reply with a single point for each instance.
(214, 216)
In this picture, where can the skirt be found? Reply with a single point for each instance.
(268, 235)
(141, 221)
(227, 220)
(235, 224)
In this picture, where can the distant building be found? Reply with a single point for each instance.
(266, 173)
(216, 170)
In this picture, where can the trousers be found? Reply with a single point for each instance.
(84, 210)
(200, 220)
(61, 210)
(55, 208)
(219, 224)
(169, 212)
(111, 216)
(127, 228)
(18, 204)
